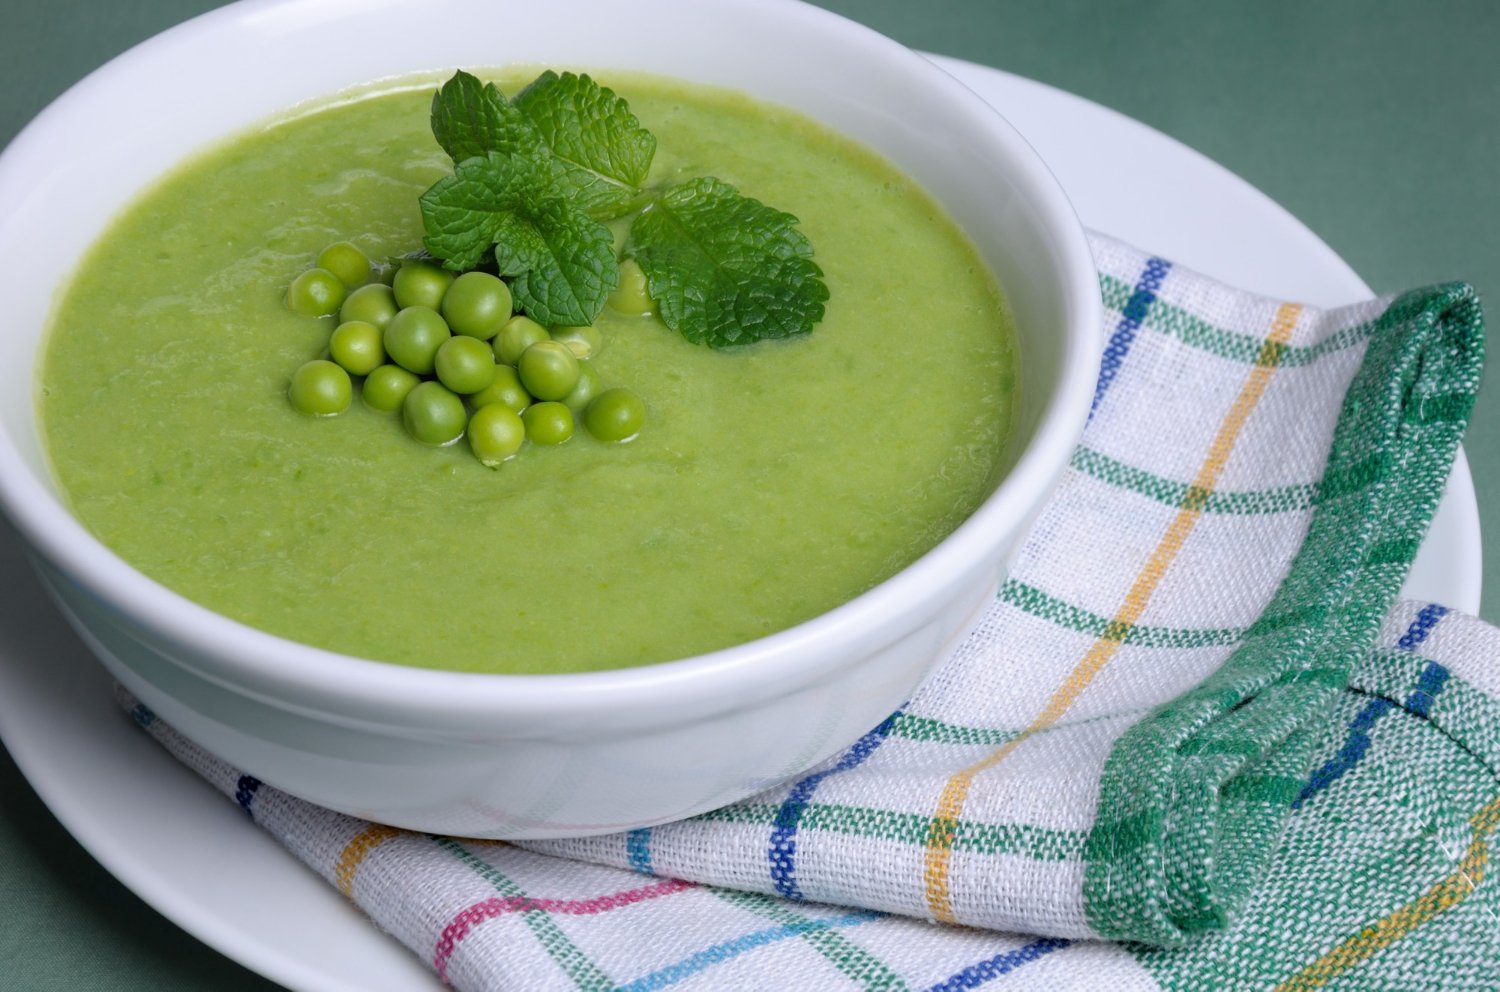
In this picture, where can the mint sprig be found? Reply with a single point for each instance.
(534, 178)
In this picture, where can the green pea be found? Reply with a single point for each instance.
(505, 389)
(589, 385)
(477, 304)
(356, 346)
(373, 304)
(421, 284)
(413, 338)
(346, 261)
(548, 370)
(433, 414)
(496, 432)
(465, 364)
(315, 293)
(583, 342)
(385, 389)
(548, 422)
(320, 388)
(615, 415)
(631, 295)
(518, 334)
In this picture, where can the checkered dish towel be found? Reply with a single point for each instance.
(1194, 744)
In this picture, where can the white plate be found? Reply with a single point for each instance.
(195, 857)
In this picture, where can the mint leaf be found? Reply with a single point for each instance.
(471, 118)
(725, 269)
(561, 261)
(600, 152)
(464, 213)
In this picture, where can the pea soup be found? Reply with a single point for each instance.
(773, 481)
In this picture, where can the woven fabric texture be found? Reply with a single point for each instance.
(1195, 742)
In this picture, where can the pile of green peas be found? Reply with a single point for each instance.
(449, 354)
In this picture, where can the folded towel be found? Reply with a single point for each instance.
(1194, 743)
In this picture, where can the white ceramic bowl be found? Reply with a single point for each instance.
(514, 756)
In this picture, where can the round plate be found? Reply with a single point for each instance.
(168, 836)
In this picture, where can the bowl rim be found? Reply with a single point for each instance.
(256, 662)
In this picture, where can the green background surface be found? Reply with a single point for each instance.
(1377, 123)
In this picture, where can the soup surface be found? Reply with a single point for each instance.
(770, 483)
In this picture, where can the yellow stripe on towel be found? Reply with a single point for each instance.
(356, 851)
(944, 824)
(1447, 893)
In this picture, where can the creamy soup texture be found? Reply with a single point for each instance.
(770, 484)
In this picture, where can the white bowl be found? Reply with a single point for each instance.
(534, 756)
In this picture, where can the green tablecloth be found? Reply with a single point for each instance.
(1373, 121)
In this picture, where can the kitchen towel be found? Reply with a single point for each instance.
(1195, 742)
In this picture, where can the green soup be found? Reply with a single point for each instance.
(770, 484)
